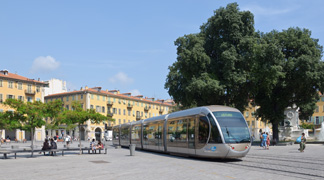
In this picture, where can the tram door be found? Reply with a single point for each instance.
(191, 135)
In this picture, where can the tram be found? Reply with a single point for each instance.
(208, 131)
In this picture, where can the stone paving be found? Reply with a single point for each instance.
(280, 162)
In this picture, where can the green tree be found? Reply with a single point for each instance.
(30, 115)
(288, 70)
(9, 120)
(78, 116)
(213, 66)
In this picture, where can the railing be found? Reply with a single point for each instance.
(110, 114)
(129, 105)
(146, 108)
(110, 103)
(161, 110)
(138, 117)
(29, 91)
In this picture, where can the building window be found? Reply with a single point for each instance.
(29, 99)
(1, 110)
(98, 97)
(91, 106)
(37, 88)
(82, 106)
(322, 98)
(103, 109)
(124, 121)
(119, 120)
(0, 82)
(103, 98)
(114, 110)
(67, 98)
(9, 96)
(128, 120)
(1, 98)
(114, 100)
(317, 120)
(91, 96)
(129, 112)
(67, 107)
(317, 108)
(73, 97)
(119, 112)
(246, 114)
(81, 96)
(124, 112)
(149, 114)
(38, 99)
(10, 84)
(20, 85)
(21, 98)
(98, 108)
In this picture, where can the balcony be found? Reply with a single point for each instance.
(161, 110)
(146, 108)
(110, 103)
(129, 106)
(109, 114)
(138, 117)
(30, 92)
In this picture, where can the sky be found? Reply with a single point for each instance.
(125, 45)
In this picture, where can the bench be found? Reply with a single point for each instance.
(15, 151)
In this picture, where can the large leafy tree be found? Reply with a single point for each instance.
(288, 70)
(10, 120)
(213, 66)
(31, 115)
(78, 116)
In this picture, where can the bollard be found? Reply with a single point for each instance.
(132, 149)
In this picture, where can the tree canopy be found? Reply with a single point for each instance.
(228, 63)
(213, 66)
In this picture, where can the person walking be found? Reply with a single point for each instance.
(302, 143)
(264, 140)
(268, 141)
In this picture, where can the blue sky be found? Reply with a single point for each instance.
(124, 45)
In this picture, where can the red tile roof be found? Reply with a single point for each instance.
(18, 77)
(134, 98)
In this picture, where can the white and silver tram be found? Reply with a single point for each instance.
(209, 131)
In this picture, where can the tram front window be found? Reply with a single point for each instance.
(233, 127)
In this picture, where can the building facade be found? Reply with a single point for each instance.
(122, 107)
(14, 86)
(55, 86)
(318, 116)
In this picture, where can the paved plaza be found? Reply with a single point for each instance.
(280, 162)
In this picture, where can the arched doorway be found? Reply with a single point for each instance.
(82, 130)
(98, 134)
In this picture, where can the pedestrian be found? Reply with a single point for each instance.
(260, 135)
(302, 143)
(268, 141)
(264, 140)
(53, 146)
(93, 145)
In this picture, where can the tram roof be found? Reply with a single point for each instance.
(199, 110)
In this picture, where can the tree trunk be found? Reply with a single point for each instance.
(275, 131)
(32, 141)
(80, 139)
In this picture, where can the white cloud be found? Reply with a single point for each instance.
(44, 64)
(121, 78)
(135, 92)
(266, 11)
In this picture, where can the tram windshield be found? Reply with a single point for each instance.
(233, 127)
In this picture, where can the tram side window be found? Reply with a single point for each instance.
(203, 130)
(214, 135)
(124, 134)
(171, 128)
(116, 133)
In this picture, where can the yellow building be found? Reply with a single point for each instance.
(122, 107)
(255, 124)
(14, 86)
(317, 117)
